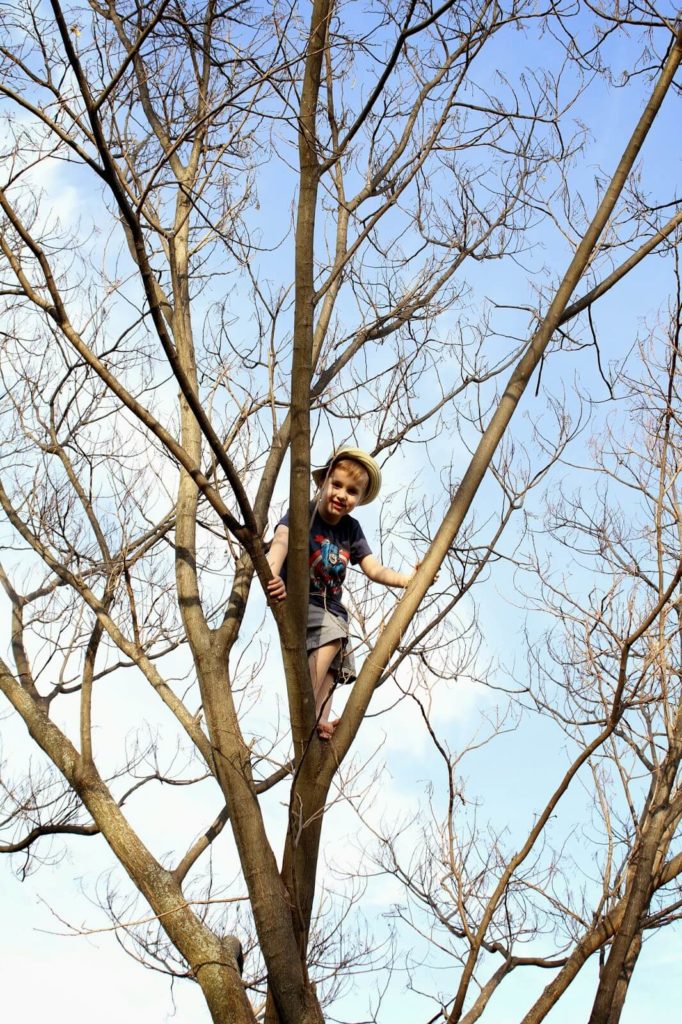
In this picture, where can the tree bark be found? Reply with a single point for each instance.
(624, 979)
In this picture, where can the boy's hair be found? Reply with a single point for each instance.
(355, 471)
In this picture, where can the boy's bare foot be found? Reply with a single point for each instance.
(325, 730)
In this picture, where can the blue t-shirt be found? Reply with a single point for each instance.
(331, 547)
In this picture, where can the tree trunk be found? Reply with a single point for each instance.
(624, 979)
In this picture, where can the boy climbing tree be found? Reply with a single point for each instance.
(350, 477)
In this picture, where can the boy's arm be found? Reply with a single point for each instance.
(275, 559)
(379, 573)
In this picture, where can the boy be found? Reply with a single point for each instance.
(351, 477)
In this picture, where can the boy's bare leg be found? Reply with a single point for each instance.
(322, 679)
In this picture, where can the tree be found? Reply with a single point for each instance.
(605, 675)
(140, 516)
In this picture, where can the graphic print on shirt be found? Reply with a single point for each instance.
(327, 566)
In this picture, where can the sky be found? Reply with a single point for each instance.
(44, 970)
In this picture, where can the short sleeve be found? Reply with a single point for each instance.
(284, 521)
(359, 547)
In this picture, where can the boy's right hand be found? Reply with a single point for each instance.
(277, 590)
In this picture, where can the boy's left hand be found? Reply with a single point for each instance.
(416, 570)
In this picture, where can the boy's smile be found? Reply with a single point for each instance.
(340, 495)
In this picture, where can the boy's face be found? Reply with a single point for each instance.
(341, 493)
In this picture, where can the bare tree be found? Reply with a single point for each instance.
(606, 677)
(155, 379)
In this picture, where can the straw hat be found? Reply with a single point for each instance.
(367, 463)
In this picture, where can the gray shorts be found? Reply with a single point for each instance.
(325, 628)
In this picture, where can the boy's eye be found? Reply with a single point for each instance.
(338, 485)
